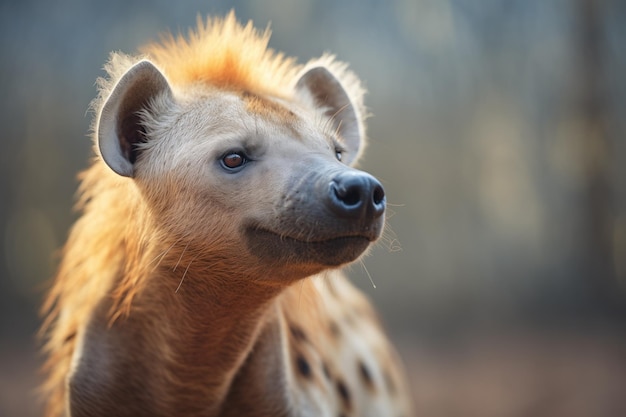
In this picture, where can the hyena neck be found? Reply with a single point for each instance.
(182, 343)
(216, 320)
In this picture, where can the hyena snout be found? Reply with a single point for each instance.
(356, 195)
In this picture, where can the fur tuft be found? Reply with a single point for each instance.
(224, 54)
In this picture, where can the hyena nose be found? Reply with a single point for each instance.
(357, 195)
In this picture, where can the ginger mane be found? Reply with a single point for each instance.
(224, 54)
(99, 249)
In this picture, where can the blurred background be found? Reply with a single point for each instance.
(497, 130)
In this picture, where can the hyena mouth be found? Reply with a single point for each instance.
(330, 252)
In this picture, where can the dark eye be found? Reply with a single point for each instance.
(231, 161)
(338, 154)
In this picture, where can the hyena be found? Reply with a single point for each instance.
(202, 278)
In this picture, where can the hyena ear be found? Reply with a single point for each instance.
(119, 129)
(327, 94)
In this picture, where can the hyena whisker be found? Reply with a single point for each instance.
(367, 272)
(390, 213)
(390, 239)
(330, 122)
(338, 129)
(181, 257)
(326, 125)
(184, 274)
(162, 255)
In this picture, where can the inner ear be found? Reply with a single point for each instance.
(328, 95)
(120, 128)
(130, 130)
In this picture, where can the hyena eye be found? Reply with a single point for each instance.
(339, 150)
(232, 161)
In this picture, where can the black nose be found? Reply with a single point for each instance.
(357, 195)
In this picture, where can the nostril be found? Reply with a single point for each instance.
(378, 196)
(350, 195)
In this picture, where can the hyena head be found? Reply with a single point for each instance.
(262, 182)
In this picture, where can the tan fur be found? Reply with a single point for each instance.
(130, 259)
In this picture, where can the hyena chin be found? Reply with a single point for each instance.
(202, 278)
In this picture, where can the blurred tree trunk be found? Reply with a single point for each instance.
(593, 110)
